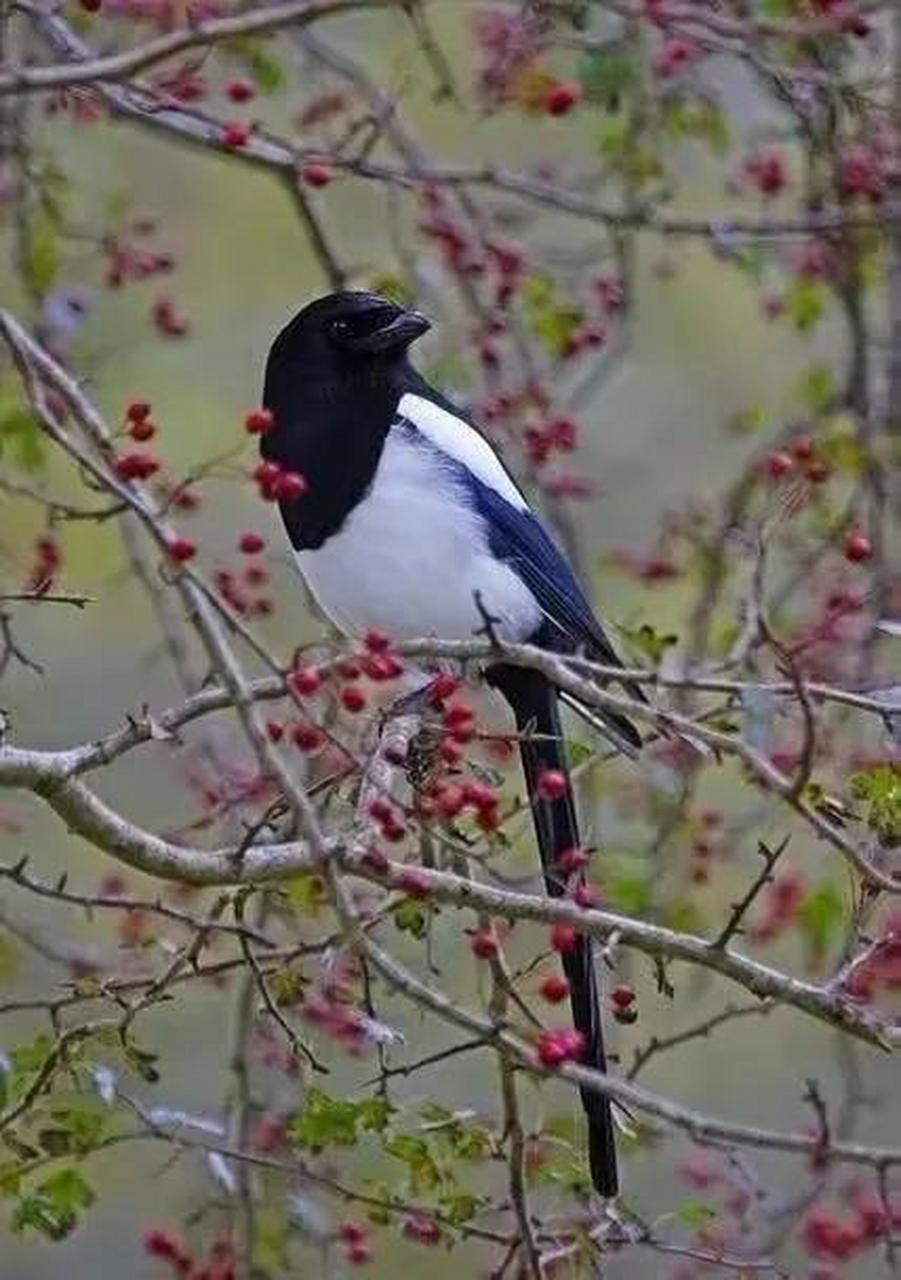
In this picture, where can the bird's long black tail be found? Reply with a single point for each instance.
(534, 703)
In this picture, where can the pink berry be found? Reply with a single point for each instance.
(858, 548)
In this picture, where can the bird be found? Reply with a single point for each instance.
(410, 524)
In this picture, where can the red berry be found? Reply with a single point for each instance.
(481, 795)
(274, 730)
(422, 1229)
(289, 485)
(316, 173)
(266, 473)
(443, 687)
(235, 135)
(376, 861)
(240, 90)
(414, 883)
(803, 448)
(358, 1254)
(450, 800)
(353, 698)
(305, 681)
(552, 784)
(393, 831)
(136, 466)
(142, 430)
(768, 171)
(556, 1047)
(776, 464)
(560, 98)
(564, 937)
(137, 411)
(817, 472)
(550, 1049)
(858, 548)
(381, 666)
(376, 641)
(623, 996)
(571, 860)
(181, 549)
(380, 809)
(554, 988)
(585, 895)
(484, 944)
(258, 422)
(251, 544)
(860, 173)
(307, 737)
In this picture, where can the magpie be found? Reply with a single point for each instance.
(411, 524)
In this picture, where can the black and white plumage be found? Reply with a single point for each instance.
(409, 523)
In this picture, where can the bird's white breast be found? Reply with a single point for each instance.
(410, 557)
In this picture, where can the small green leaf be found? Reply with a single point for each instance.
(326, 1121)
(879, 791)
(817, 388)
(20, 432)
(307, 894)
(42, 257)
(410, 916)
(820, 916)
(648, 641)
(607, 75)
(458, 1206)
(53, 1208)
(416, 1153)
(806, 303)
(696, 1214)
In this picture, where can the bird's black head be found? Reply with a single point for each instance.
(334, 378)
(342, 338)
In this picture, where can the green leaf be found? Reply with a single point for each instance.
(748, 421)
(265, 71)
(879, 791)
(806, 303)
(142, 1062)
(607, 75)
(458, 1206)
(410, 916)
(416, 1153)
(326, 1121)
(19, 430)
(627, 885)
(307, 894)
(696, 1214)
(551, 320)
(648, 641)
(42, 257)
(820, 916)
(53, 1208)
(817, 388)
(578, 753)
(27, 1058)
(81, 1128)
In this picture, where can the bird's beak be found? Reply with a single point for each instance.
(396, 335)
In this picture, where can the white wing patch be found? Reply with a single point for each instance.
(461, 442)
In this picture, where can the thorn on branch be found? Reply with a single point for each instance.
(740, 909)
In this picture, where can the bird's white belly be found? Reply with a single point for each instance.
(411, 556)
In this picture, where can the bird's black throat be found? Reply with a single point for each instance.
(332, 432)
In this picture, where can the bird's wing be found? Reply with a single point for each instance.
(516, 535)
